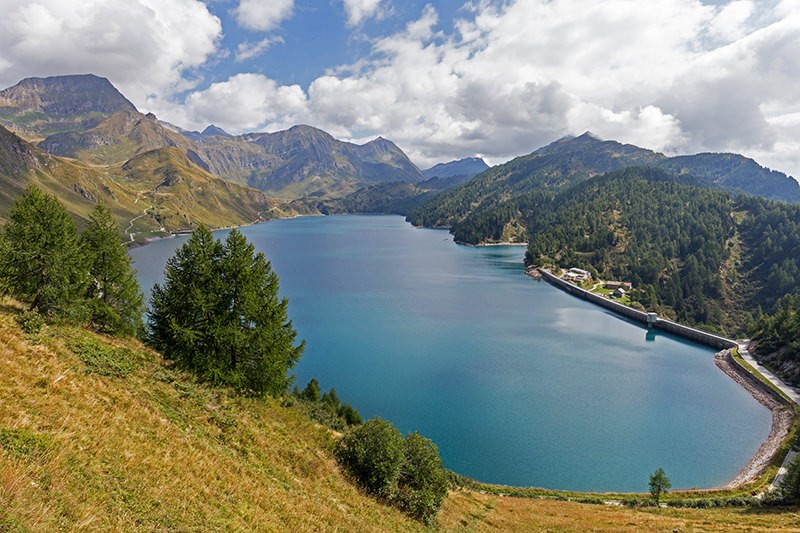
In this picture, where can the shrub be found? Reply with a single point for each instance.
(373, 453)
(406, 472)
(31, 322)
(423, 481)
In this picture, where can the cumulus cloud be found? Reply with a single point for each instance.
(247, 102)
(148, 48)
(359, 10)
(262, 15)
(679, 76)
(676, 76)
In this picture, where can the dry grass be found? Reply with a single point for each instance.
(148, 449)
(474, 512)
(155, 451)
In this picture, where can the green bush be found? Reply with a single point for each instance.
(406, 472)
(104, 359)
(373, 453)
(423, 482)
(31, 322)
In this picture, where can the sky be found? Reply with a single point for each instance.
(444, 79)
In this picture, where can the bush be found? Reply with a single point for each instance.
(373, 453)
(406, 472)
(31, 322)
(423, 480)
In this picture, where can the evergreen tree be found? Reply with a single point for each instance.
(219, 315)
(43, 262)
(659, 484)
(115, 301)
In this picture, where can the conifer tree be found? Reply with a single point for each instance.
(43, 262)
(219, 315)
(115, 300)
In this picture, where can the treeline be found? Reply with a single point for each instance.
(639, 225)
(777, 339)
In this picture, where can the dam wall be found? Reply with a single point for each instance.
(649, 319)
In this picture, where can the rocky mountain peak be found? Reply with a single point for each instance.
(66, 95)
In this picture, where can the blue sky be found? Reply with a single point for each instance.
(443, 79)
(314, 37)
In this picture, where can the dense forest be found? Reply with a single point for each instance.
(701, 256)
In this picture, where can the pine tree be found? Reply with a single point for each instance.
(43, 262)
(182, 309)
(219, 315)
(115, 300)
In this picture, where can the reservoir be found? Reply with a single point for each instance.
(515, 381)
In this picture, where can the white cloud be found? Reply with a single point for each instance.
(247, 102)
(675, 76)
(359, 10)
(247, 50)
(263, 15)
(672, 75)
(147, 48)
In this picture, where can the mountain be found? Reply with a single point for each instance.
(468, 167)
(154, 191)
(210, 131)
(305, 161)
(700, 255)
(43, 106)
(86, 118)
(736, 173)
(488, 200)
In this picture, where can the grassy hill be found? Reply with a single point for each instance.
(158, 189)
(99, 434)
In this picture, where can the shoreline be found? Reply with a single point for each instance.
(781, 409)
(782, 417)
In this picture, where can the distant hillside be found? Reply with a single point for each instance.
(158, 189)
(466, 168)
(305, 161)
(702, 256)
(492, 195)
(210, 131)
(121, 136)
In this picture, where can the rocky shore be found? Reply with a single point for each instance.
(782, 418)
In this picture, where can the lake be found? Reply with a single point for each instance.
(515, 381)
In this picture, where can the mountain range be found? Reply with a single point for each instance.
(80, 138)
(571, 160)
(85, 117)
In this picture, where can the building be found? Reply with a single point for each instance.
(576, 275)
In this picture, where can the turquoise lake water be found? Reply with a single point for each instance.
(515, 381)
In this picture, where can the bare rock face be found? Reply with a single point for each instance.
(66, 95)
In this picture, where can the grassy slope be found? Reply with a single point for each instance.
(139, 446)
(175, 192)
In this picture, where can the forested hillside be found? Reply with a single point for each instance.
(701, 256)
(492, 205)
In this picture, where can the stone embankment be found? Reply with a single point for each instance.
(779, 406)
(650, 319)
